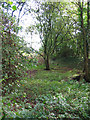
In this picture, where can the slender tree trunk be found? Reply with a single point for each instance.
(88, 17)
(47, 62)
(85, 43)
(85, 57)
(46, 55)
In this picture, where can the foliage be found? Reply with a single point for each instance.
(35, 92)
(48, 94)
(59, 30)
(11, 47)
(14, 63)
(70, 102)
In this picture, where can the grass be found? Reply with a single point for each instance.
(48, 94)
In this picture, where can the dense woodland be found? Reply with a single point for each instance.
(52, 82)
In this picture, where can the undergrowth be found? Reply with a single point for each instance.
(47, 94)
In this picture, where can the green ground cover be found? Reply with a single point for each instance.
(47, 94)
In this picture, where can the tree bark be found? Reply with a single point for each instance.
(85, 57)
(88, 17)
(85, 43)
(47, 62)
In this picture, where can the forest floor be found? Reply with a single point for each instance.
(48, 94)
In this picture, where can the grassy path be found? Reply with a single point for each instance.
(48, 94)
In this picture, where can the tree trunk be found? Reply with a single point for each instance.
(85, 43)
(47, 62)
(85, 57)
(88, 17)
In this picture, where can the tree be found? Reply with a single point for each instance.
(61, 26)
(84, 29)
(45, 28)
(88, 27)
(53, 27)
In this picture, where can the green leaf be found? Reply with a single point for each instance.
(23, 0)
(14, 7)
(9, 2)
